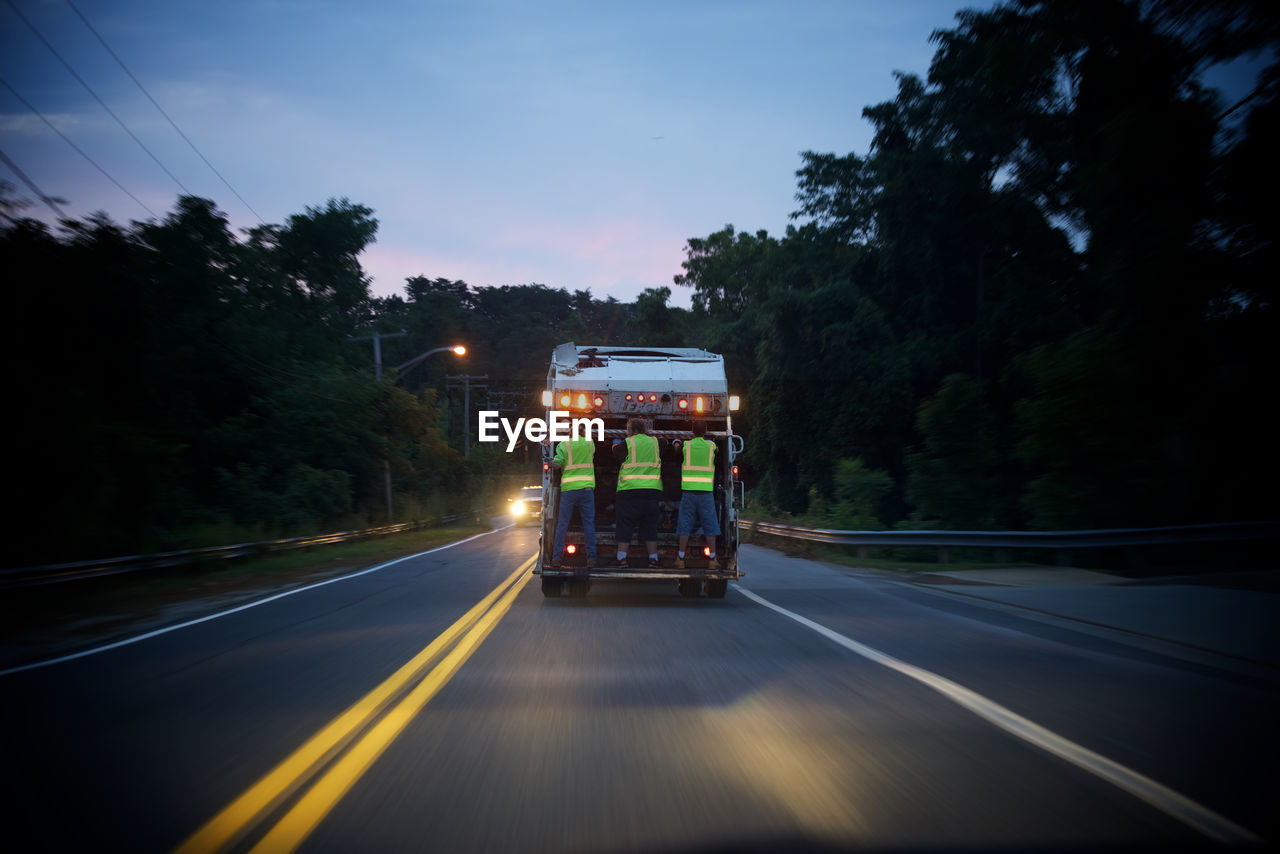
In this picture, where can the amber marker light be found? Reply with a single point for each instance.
(735, 403)
(546, 398)
(564, 400)
(459, 349)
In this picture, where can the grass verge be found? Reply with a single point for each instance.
(847, 556)
(48, 620)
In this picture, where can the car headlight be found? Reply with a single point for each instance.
(517, 508)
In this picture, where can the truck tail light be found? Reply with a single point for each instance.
(735, 472)
(628, 398)
(699, 404)
(564, 400)
(682, 403)
(706, 551)
(546, 466)
(734, 403)
(571, 549)
(599, 401)
(653, 398)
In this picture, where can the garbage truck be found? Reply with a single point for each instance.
(669, 388)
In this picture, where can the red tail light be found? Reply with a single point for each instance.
(599, 401)
(682, 403)
(571, 549)
(706, 551)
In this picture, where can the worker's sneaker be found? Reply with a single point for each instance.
(653, 563)
(679, 563)
(712, 563)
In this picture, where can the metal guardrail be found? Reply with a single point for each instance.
(31, 576)
(1004, 540)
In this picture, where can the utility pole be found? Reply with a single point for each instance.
(466, 380)
(377, 347)
(377, 373)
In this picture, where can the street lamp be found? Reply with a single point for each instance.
(456, 349)
(377, 337)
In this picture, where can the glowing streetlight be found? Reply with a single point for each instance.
(456, 349)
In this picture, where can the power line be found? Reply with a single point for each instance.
(161, 109)
(89, 89)
(68, 141)
(32, 184)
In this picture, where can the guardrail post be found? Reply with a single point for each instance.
(863, 552)
(944, 554)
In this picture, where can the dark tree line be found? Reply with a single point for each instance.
(1044, 297)
(179, 385)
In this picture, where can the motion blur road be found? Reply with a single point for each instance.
(634, 720)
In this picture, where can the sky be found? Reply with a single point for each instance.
(577, 145)
(573, 144)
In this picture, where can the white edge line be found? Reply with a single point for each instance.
(97, 649)
(1161, 797)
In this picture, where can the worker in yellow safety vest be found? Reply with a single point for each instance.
(697, 495)
(576, 458)
(639, 489)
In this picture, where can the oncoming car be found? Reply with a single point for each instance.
(526, 507)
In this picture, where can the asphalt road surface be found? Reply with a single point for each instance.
(442, 704)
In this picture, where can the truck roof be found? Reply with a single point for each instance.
(599, 367)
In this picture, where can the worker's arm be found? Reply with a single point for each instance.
(620, 450)
(561, 457)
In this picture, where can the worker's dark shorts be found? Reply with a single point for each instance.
(637, 512)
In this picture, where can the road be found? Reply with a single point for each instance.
(635, 720)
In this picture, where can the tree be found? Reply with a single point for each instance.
(959, 473)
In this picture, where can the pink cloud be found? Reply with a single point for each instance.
(618, 258)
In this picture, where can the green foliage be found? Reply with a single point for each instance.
(209, 383)
(958, 472)
(858, 493)
(202, 380)
(1044, 295)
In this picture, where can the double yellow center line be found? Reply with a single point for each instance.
(325, 768)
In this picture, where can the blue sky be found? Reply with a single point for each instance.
(578, 145)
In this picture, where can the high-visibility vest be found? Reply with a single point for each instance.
(642, 470)
(580, 468)
(698, 471)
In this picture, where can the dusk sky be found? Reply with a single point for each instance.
(574, 144)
